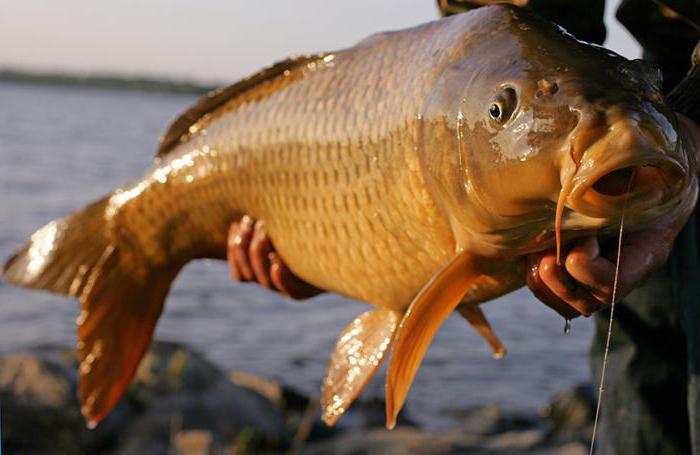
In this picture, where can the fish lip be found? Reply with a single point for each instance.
(587, 201)
(632, 143)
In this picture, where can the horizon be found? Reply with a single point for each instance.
(224, 42)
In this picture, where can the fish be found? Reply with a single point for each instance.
(414, 171)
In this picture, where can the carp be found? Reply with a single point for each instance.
(413, 171)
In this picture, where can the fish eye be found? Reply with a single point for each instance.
(503, 105)
(495, 111)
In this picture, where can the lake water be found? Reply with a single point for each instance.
(61, 148)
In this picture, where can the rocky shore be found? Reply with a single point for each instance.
(180, 403)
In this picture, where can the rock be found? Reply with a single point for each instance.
(418, 442)
(266, 387)
(571, 413)
(192, 442)
(180, 391)
(490, 419)
(515, 440)
(484, 430)
(301, 413)
(40, 412)
(180, 403)
(177, 396)
(399, 441)
(286, 398)
(32, 379)
(573, 448)
(480, 420)
(365, 413)
(369, 413)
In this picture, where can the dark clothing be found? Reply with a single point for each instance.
(652, 386)
(581, 18)
(667, 40)
(685, 275)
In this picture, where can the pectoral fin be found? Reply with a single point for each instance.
(429, 309)
(476, 318)
(358, 354)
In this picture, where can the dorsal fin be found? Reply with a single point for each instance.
(180, 127)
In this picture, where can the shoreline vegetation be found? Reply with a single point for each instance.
(106, 81)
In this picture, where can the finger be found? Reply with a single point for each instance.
(596, 271)
(590, 268)
(557, 280)
(287, 283)
(259, 255)
(538, 288)
(239, 238)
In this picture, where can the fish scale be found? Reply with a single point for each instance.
(357, 174)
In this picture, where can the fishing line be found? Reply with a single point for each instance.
(612, 312)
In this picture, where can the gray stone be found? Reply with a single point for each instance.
(490, 419)
(181, 403)
(515, 440)
(180, 391)
(175, 393)
(571, 413)
(40, 412)
(192, 442)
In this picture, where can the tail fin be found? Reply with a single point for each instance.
(118, 315)
(120, 300)
(60, 255)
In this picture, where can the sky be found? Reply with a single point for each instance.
(204, 40)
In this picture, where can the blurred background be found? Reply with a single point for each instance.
(207, 40)
(64, 146)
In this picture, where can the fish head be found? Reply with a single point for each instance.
(531, 130)
(628, 154)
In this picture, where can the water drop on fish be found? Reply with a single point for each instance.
(567, 325)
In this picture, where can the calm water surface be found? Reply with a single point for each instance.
(61, 148)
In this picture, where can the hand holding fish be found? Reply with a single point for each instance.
(582, 285)
(252, 257)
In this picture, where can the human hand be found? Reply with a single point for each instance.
(583, 283)
(252, 257)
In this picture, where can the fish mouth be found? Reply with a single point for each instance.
(627, 169)
(634, 187)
